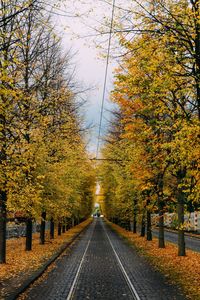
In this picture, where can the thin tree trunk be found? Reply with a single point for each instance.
(134, 226)
(143, 224)
(63, 228)
(5, 44)
(161, 238)
(149, 233)
(128, 225)
(196, 5)
(59, 228)
(181, 234)
(3, 197)
(67, 224)
(135, 217)
(42, 229)
(180, 210)
(52, 228)
(29, 228)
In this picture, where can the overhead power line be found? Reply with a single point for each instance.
(109, 159)
(105, 79)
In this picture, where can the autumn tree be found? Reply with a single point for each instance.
(10, 11)
(157, 104)
(41, 127)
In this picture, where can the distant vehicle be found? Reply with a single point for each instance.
(96, 215)
(101, 216)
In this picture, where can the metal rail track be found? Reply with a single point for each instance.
(127, 279)
(129, 283)
(27, 284)
(72, 289)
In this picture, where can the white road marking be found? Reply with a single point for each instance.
(133, 290)
(79, 268)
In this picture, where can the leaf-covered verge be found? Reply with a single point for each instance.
(183, 271)
(20, 263)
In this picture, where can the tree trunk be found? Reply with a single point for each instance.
(143, 224)
(3, 197)
(135, 217)
(52, 228)
(181, 235)
(63, 228)
(161, 237)
(42, 229)
(196, 6)
(149, 233)
(180, 210)
(134, 226)
(59, 228)
(5, 48)
(67, 224)
(128, 225)
(29, 227)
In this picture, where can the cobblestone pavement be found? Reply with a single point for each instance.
(190, 242)
(93, 269)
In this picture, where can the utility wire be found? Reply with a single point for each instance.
(105, 79)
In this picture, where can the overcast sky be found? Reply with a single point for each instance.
(90, 68)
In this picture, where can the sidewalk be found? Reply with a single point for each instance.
(14, 280)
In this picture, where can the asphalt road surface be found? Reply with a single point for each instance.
(101, 265)
(192, 243)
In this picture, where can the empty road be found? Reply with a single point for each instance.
(101, 265)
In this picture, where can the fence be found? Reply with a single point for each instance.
(191, 221)
(14, 230)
